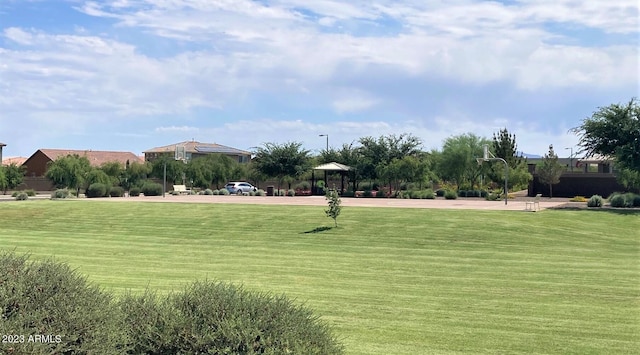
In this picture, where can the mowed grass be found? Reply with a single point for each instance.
(389, 281)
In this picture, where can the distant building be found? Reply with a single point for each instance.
(193, 149)
(14, 160)
(36, 164)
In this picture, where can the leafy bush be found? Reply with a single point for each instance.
(578, 199)
(618, 201)
(208, 192)
(261, 192)
(291, 192)
(281, 192)
(349, 193)
(440, 192)
(60, 193)
(462, 193)
(96, 189)
(490, 196)
(30, 192)
(414, 194)
(215, 192)
(116, 191)
(22, 196)
(428, 194)
(475, 193)
(635, 201)
(134, 191)
(367, 193)
(50, 298)
(595, 201)
(381, 194)
(484, 193)
(303, 185)
(450, 195)
(207, 317)
(151, 189)
(253, 193)
(218, 318)
(15, 194)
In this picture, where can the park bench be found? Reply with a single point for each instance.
(533, 204)
(181, 189)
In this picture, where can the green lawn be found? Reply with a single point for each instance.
(389, 281)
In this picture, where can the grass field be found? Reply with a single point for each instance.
(389, 281)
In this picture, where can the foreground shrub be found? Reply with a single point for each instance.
(30, 192)
(151, 189)
(462, 193)
(595, 201)
(60, 193)
(97, 189)
(450, 195)
(215, 192)
(208, 192)
(48, 298)
(219, 318)
(22, 196)
(428, 194)
(116, 191)
(224, 192)
(15, 194)
(291, 192)
(261, 192)
(134, 191)
(281, 192)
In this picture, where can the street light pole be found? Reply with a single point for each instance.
(570, 157)
(325, 135)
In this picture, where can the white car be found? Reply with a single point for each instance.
(238, 187)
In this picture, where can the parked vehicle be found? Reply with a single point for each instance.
(238, 187)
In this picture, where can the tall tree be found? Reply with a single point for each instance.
(3, 180)
(614, 131)
(383, 150)
(281, 160)
(136, 172)
(505, 147)
(457, 161)
(550, 171)
(14, 175)
(175, 169)
(69, 171)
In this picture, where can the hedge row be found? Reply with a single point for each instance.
(47, 308)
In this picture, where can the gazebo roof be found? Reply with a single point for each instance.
(333, 166)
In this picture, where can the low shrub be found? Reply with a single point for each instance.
(261, 192)
(215, 192)
(440, 192)
(490, 196)
(151, 189)
(15, 194)
(367, 193)
(218, 318)
(60, 193)
(303, 185)
(291, 192)
(134, 191)
(578, 199)
(253, 193)
(208, 192)
(450, 195)
(22, 196)
(484, 193)
(635, 201)
(595, 201)
(349, 193)
(381, 194)
(462, 193)
(224, 192)
(618, 201)
(116, 191)
(30, 192)
(282, 192)
(50, 298)
(96, 189)
(428, 194)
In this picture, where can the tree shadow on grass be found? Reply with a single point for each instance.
(318, 230)
(623, 211)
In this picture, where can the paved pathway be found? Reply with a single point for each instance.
(461, 203)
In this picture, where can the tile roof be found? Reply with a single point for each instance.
(96, 157)
(14, 160)
(198, 147)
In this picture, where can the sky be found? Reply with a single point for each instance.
(130, 75)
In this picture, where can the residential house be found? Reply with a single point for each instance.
(36, 164)
(191, 149)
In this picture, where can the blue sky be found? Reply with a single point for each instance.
(131, 75)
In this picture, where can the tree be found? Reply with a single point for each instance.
(135, 172)
(69, 171)
(505, 147)
(614, 131)
(280, 160)
(457, 162)
(175, 169)
(3, 180)
(14, 175)
(333, 202)
(383, 150)
(115, 171)
(550, 170)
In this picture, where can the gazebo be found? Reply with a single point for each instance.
(333, 166)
